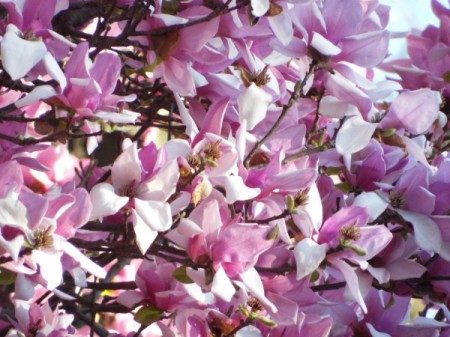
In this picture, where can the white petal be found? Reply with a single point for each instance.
(191, 127)
(324, 46)
(144, 234)
(236, 189)
(115, 117)
(354, 135)
(282, 27)
(314, 207)
(105, 201)
(195, 291)
(54, 70)
(259, 7)
(351, 278)
(19, 56)
(222, 286)
(156, 214)
(50, 267)
(308, 256)
(248, 331)
(13, 213)
(127, 168)
(373, 202)
(253, 103)
(12, 246)
(332, 107)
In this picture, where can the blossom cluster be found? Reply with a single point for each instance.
(222, 168)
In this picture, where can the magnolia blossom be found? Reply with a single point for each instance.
(145, 189)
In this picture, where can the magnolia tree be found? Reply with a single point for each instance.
(222, 168)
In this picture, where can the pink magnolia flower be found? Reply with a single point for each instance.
(33, 319)
(343, 237)
(170, 53)
(212, 237)
(90, 89)
(29, 46)
(157, 288)
(332, 42)
(145, 186)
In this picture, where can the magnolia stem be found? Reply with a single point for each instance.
(307, 152)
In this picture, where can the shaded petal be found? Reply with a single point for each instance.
(130, 298)
(426, 231)
(106, 79)
(54, 70)
(342, 17)
(365, 50)
(23, 288)
(282, 27)
(416, 110)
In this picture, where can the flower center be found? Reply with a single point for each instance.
(43, 238)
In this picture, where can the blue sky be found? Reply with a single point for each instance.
(407, 15)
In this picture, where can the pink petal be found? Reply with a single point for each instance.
(416, 110)
(162, 185)
(352, 280)
(365, 50)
